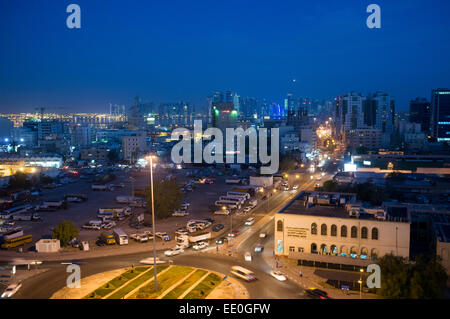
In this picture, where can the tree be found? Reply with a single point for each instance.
(19, 181)
(288, 163)
(168, 197)
(65, 232)
(330, 186)
(425, 278)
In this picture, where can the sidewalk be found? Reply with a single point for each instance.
(95, 252)
(291, 270)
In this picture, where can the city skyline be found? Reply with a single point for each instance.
(166, 54)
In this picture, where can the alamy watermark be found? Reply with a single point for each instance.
(213, 152)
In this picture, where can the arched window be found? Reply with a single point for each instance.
(280, 225)
(323, 249)
(344, 231)
(375, 233)
(323, 230)
(364, 233)
(313, 248)
(344, 251)
(354, 232)
(333, 250)
(313, 229)
(374, 253)
(333, 230)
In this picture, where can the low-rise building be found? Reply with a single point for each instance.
(333, 230)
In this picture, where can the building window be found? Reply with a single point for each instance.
(333, 250)
(291, 249)
(364, 233)
(300, 249)
(333, 230)
(313, 248)
(323, 230)
(313, 229)
(280, 225)
(354, 232)
(375, 233)
(323, 249)
(343, 231)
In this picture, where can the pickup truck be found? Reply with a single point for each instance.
(142, 238)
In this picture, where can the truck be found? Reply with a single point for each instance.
(132, 201)
(104, 188)
(93, 224)
(232, 181)
(27, 216)
(114, 212)
(71, 197)
(199, 236)
(56, 203)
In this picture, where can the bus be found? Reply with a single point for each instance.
(7, 214)
(240, 194)
(121, 237)
(243, 273)
(17, 241)
(239, 200)
(227, 204)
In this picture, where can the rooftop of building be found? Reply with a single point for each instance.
(342, 205)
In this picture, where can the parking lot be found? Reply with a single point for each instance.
(201, 200)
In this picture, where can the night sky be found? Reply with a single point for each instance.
(167, 51)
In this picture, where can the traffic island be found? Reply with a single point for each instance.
(174, 282)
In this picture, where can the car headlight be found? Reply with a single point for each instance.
(3, 295)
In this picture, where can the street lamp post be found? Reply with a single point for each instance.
(153, 220)
(360, 282)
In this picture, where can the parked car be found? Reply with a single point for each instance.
(218, 227)
(262, 235)
(248, 256)
(247, 209)
(295, 187)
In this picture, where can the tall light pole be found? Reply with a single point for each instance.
(153, 220)
(360, 282)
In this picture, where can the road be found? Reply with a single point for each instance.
(43, 286)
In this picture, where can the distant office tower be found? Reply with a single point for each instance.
(218, 97)
(420, 112)
(385, 108)
(81, 136)
(136, 118)
(224, 115)
(370, 111)
(237, 102)
(249, 107)
(289, 106)
(228, 97)
(440, 114)
(349, 112)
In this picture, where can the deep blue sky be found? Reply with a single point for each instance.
(170, 50)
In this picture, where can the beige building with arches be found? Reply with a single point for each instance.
(335, 228)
